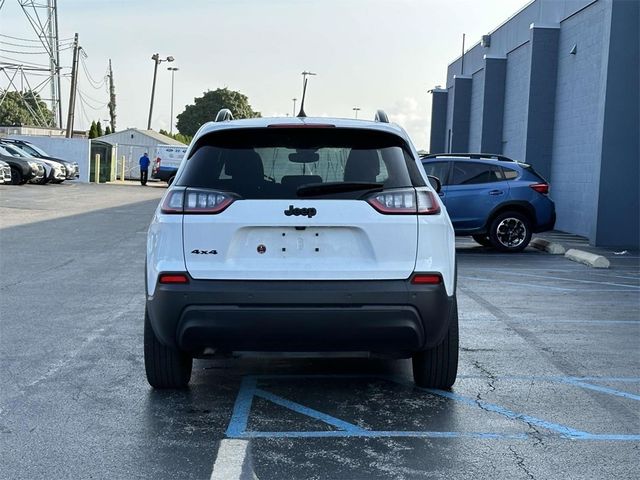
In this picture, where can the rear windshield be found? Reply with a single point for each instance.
(278, 162)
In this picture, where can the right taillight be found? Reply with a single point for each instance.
(540, 187)
(196, 201)
(406, 201)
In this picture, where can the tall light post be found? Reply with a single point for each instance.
(173, 70)
(356, 109)
(294, 106)
(156, 61)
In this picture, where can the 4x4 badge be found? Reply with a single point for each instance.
(305, 212)
(204, 252)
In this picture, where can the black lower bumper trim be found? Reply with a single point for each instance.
(386, 316)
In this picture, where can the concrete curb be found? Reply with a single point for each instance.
(547, 246)
(591, 259)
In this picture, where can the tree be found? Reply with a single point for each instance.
(24, 108)
(186, 139)
(93, 130)
(205, 108)
(107, 130)
(99, 129)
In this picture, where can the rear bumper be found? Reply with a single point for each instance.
(385, 317)
(548, 225)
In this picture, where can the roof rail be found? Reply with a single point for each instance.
(224, 115)
(475, 156)
(381, 117)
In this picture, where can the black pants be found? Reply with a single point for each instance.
(144, 174)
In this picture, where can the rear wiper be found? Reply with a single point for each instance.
(313, 189)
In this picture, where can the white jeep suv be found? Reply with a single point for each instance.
(301, 235)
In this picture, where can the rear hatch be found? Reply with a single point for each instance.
(299, 203)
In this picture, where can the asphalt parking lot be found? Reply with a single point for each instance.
(548, 386)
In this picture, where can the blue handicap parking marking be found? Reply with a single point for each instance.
(252, 388)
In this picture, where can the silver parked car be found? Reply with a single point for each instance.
(5, 173)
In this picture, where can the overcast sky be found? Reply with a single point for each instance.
(367, 53)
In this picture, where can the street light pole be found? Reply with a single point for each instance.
(173, 70)
(157, 61)
(294, 107)
(356, 109)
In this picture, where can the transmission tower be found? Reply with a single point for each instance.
(43, 17)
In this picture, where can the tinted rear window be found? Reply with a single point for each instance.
(275, 162)
(467, 173)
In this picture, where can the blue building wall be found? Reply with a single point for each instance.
(578, 120)
(475, 125)
(568, 95)
(514, 126)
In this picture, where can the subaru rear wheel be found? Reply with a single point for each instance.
(437, 367)
(165, 367)
(510, 232)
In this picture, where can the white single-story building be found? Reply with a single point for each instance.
(131, 144)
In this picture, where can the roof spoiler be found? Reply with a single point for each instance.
(224, 115)
(381, 117)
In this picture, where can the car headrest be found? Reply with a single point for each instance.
(362, 166)
(243, 164)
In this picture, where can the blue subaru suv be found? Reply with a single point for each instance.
(496, 200)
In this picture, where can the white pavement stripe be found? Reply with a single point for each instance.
(230, 459)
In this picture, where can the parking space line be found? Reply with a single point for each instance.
(519, 284)
(623, 285)
(242, 409)
(386, 434)
(563, 430)
(598, 388)
(309, 412)
(537, 321)
(230, 460)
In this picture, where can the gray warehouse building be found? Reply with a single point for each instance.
(556, 86)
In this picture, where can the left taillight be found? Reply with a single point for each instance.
(196, 201)
(406, 201)
(173, 278)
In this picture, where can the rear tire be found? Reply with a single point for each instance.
(483, 240)
(16, 176)
(437, 367)
(510, 232)
(165, 367)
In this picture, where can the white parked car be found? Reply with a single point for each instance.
(314, 235)
(5, 172)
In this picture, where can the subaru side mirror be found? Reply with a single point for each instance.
(435, 183)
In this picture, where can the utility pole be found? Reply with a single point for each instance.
(74, 86)
(356, 109)
(173, 70)
(294, 106)
(112, 100)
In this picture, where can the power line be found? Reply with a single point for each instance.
(83, 97)
(42, 52)
(95, 84)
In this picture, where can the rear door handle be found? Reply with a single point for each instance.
(496, 192)
(441, 194)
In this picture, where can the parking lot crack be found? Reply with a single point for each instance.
(520, 462)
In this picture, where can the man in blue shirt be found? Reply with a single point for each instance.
(144, 168)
